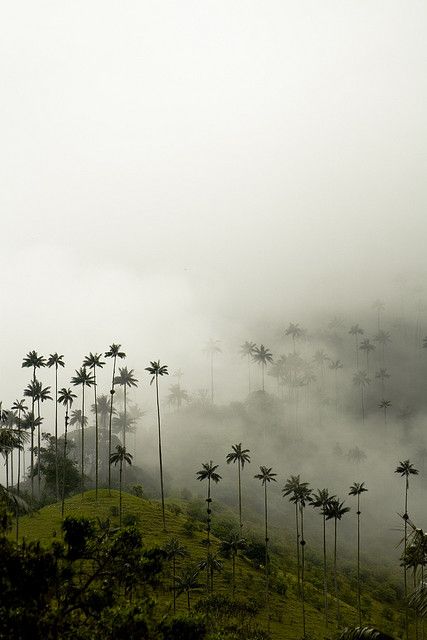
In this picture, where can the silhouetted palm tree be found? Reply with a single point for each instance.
(125, 379)
(120, 457)
(231, 547)
(356, 331)
(186, 582)
(66, 398)
(56, 360)
(174, 549)
(292, 489)
(406, 469)
(361, 380)
(382, 375)
(266, 476)
(84, 379)
(20, 408)
(320, 501)
(93, 361)
(355, 490)
(247, 351)
(385, 404)
(304, 497)
(208, 472)
(335, 510)
(38, 393)
(177, 396)
(296, 332)
(383, 338)
(114, 353)
(367, 346)
(155, 370)
(239, 455)
(262, 355)
(33, 361)
(211, 349)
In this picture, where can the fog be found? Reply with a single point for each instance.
(175, 172)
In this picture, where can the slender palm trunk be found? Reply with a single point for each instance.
(64, 462)
(335, 573)
(405, 578)
(174, 579)
(212, 379)
(32, 436)
(325, 579)
(208, 531)
(56, 434)
(38, 450)
(262, 373)
(96, 434)
(267, 603)
(110, 424)
(120, 494)
(298, 545)
(160, 454)
(19, 452)
(233, 580)
(249, 373)
(359, 607)
(7, 470)
(357, 352)
(124, 415)
(83, 441)
(240, 495)
(11, 468)
(363, 405)
(302, 569)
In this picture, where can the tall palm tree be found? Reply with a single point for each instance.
(157, 370)
(56, 360)
(19, 407)
(239, 455)
(367, 346)
(33, 361)
(120, 457)
(212, 563)
(174, 549)
(247, 351)
(38, 393)
(186, 582)
(296, 332)
(78, 417)
(231, 547)
(356, 331)
(211, 349)
(384, 405)
(66, 398)
(320, 501)
(125, 379)
(266, 476)
(382, 375)
(177, 395)
(383, 338)
(114, 353)
(208, 472)
(84, 379)
(292, 489)
(335, 510)
(361, 380)
(355, 490)
(93, 361)
(263, 356)
(406, 469)
(304, 498)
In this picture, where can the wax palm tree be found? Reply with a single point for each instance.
(382, 375)
(266, 476)
(356, 331)
(292, 490)
(231, 547)
(33, 361)
(177, 396)
(247, 351)
(187, 582)
(239, 455)
(211, 564)
(321, 500)
(174, 549)
(383, 338)
(20, 408)
(263, 356)
(56, 360)
(37, 393)
(361, 380)
(78, 417)
(157, 370)
(304, 498)
(120, 457)
(384, 405)
(211, 349)
(367, 346)
(102, 408)
(357, 489)
(84, 379)
(335, 510)
(296, 332)
(208, 472)
(66, 398)
(93, 362)
(125, 379)
(406, 469)
(379, 306)
(114, 353)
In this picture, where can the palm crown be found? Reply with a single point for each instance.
(262, 355)
(120, 456)
(126, 378)
(355, 330)
(55, 360)
(93, 360)
(366, 345)
(115, 352)
(265, 475)
(36, 390)
(208, 472)
(361, 379)
(33, 361)
(156, 369)
(406, 468)
(66, 397)
(19, 405)
(321, 499)
(83, 377)
(335, 510)
(247, 348)
(357, 488)
(238, 455)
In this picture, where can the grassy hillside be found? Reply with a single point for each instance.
(285, 606)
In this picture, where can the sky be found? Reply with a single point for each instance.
(175, 171)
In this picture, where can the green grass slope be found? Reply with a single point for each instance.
(285, 610)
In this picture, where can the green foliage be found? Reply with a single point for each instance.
(184, 628)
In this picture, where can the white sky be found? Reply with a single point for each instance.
(199, 162)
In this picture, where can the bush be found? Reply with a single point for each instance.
(131, 519)
(114, 511)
